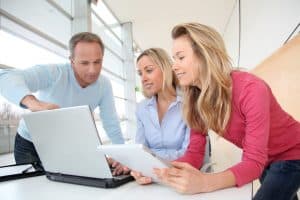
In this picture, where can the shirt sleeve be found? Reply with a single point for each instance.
(186, 141)
(109, 115)
(195, 152)
(16, 84)
(255, 106)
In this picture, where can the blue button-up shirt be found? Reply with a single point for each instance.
(57, 84)
(168, 139)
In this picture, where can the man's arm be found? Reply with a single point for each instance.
(18, 86)
(33, 104)
(109, 115)
(13, 86)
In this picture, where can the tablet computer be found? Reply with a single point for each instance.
(136, 157)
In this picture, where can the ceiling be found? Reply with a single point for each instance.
(153, 19)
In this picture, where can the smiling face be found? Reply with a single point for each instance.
(151, 76)
(186, 64)
(87, 62)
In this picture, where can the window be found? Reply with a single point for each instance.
(110, 30)
(18, 53)
(49, 19)
(27, 40)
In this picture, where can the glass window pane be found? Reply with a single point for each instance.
(24, 54)
(105, 14)
(113, 63)
(118, 84)
(10, 115)
(28, 35)
(66, 5)
(42, 16)
(120, 106)
(117, 30)
(108, 38)
(102, 134)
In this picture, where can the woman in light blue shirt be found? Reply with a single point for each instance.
(159, 119)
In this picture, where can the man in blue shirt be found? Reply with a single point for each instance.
(77, 83)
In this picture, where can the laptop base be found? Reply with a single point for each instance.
(88, 181)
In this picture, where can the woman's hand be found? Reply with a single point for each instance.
(183, 177)
(140, 179)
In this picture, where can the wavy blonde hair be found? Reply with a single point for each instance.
(208, 104)
(163, 61)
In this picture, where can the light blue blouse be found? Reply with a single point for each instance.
(168, 140)
(57, 84)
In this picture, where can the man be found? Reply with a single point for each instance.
(76, 83)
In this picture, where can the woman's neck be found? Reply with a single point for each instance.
(164, 99)
(166, 96)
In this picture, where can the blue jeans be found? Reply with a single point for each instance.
(25, 153)
(280, 181)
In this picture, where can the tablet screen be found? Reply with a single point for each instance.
(136, 157)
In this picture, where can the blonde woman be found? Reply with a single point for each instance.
(160, 125)
(239, 107)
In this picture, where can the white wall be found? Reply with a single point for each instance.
(265, 25)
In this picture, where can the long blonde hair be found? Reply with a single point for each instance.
(163, 61)
(210, 106)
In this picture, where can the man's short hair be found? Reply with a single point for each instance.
(84, 37)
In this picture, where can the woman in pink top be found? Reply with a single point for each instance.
(237, 106)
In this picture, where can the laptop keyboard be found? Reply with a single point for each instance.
(118, 177)
(121, 177)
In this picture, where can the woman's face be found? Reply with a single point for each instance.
(186, 63)
(151, 75)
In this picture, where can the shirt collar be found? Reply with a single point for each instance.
(152, 100)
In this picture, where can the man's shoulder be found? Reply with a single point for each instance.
(103, 80)
(103, 84)
(64, 66)
(56, 67)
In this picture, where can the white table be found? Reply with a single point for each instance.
(40, 187)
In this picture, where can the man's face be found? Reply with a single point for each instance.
(87, 62)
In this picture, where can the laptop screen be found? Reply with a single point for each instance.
(66, 140)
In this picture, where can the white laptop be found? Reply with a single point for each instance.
(66, 140)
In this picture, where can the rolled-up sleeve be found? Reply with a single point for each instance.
(196, 149)
(255, 106)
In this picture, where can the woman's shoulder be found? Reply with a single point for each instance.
(245, 84)
(242, 79)
(143, 104)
